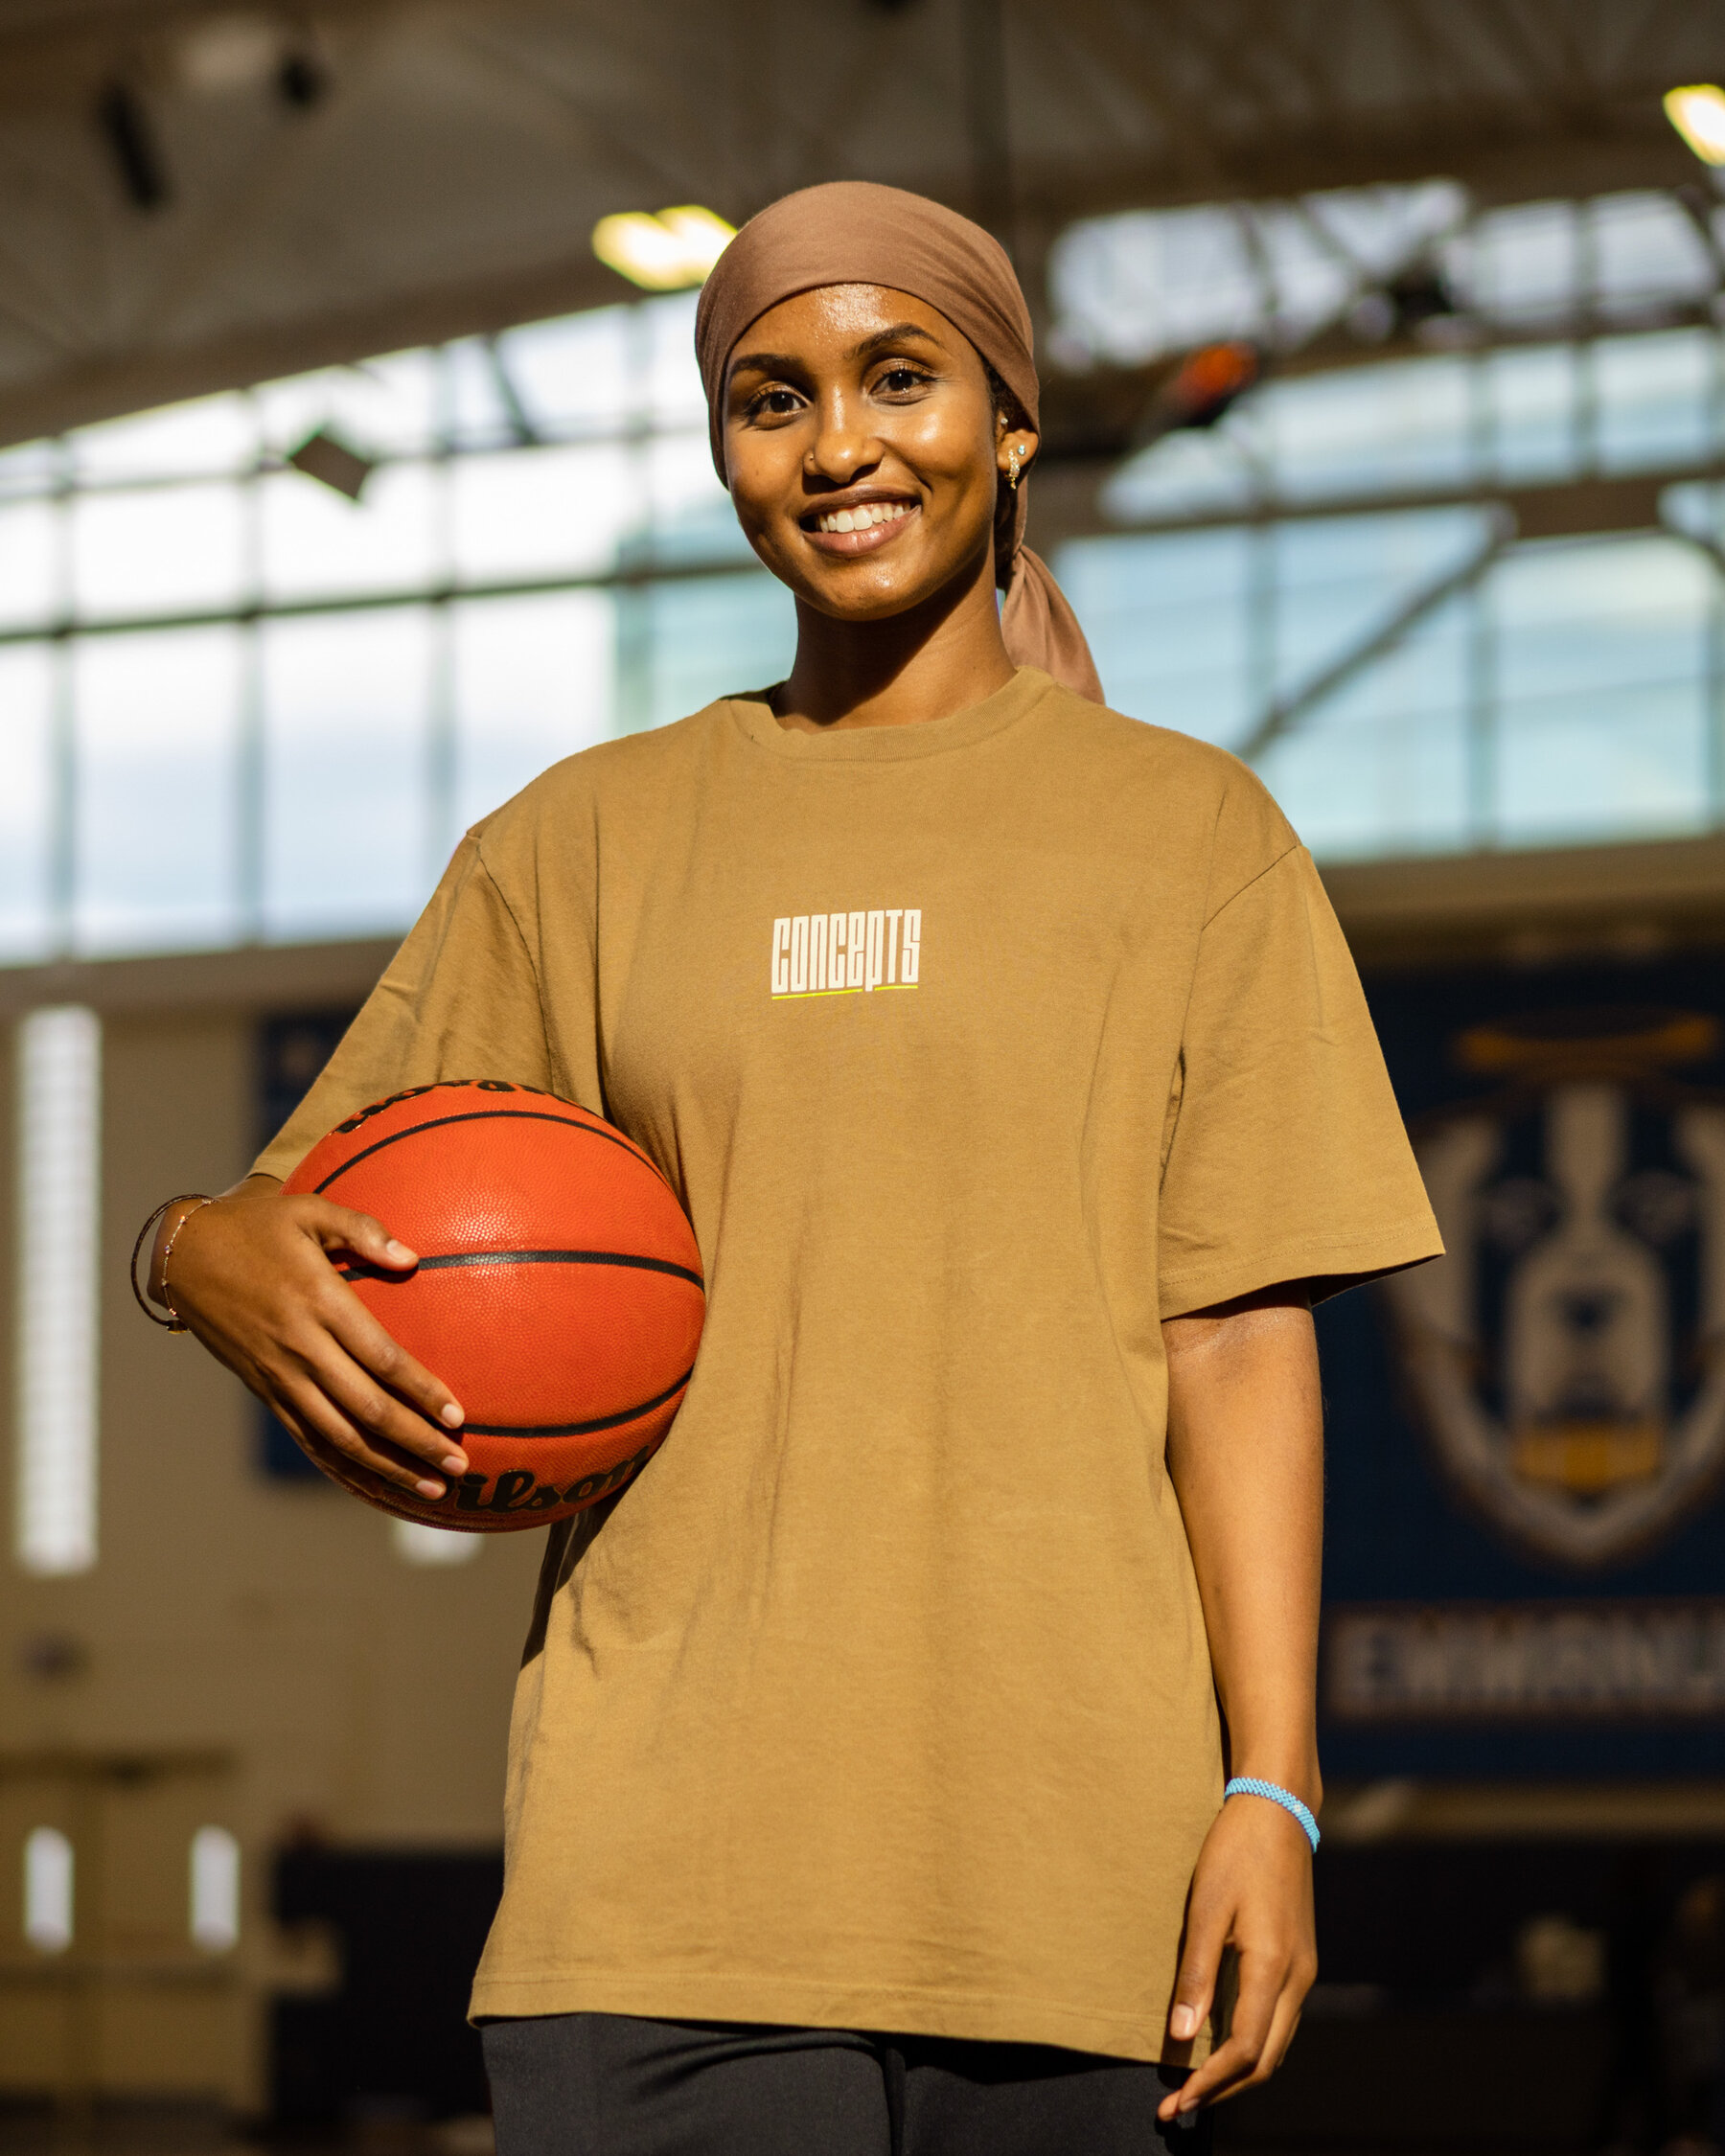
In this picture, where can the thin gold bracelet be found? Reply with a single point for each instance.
(173, 1322)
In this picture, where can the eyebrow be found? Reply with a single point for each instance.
(787, 363)
(901, 333)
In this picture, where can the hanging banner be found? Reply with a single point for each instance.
(1526, 1568)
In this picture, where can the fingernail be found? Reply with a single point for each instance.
(398, 1254)
(452, 1416)
(1183, 2022)
(453, 1464)
(428, 1488)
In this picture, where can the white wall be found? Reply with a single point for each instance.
(257, 1647)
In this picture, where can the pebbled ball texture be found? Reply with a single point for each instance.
(559, 1292)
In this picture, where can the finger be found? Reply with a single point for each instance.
(383, 1420)
(324, 1420)
(297, 1397)
(339, 1228)
(1195, 1987)
(1263, 1977)
(350, 1473)
(1282, 2024)
(285, 1415)
(316, 1450)
(371, 1346)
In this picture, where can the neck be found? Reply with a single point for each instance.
(935, 659)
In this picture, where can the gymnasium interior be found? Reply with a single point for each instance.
(354, 468)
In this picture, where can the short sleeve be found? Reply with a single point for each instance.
(1287, 1160)
(459, 1000)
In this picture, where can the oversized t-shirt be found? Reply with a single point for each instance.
(973, 1049)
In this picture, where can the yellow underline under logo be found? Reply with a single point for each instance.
(806, 995)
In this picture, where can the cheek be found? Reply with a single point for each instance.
(760, 469)
(945, 453)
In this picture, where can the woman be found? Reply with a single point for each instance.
(867, 1774)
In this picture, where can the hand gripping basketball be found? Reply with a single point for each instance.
(559, 1291)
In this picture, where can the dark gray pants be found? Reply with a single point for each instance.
(609, 2085)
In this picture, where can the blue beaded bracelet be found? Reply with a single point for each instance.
(1249, 1785)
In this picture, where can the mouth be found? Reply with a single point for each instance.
(859, 527)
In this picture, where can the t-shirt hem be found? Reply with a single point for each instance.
(910, 2011)
(1340, 1262)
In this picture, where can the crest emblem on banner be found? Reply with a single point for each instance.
(1567, 1354)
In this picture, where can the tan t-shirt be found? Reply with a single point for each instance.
(974, 1049)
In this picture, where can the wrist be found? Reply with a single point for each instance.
(175, 1232)
(1264, 1794)
(1298, 1774)
(167, 1229)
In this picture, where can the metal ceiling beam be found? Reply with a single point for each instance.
(1113, 105)
(93, 389)
(80, 389)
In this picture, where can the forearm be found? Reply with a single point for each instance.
(1246, 1457)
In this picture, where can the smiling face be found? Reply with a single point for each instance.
(863, 450)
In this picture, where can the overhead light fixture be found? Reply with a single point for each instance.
(228, 53)
(1207, 382)
(671, 252)
(325, 456)
(1697, 112)
(300, 79)
(132, 145)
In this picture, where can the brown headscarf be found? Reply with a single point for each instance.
(852, 232)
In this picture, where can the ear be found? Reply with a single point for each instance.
(1015, 446)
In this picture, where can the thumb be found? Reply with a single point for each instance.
(337, 1229)
(1195, 1987)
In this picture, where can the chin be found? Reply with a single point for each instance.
(877, 604)
(872, 590)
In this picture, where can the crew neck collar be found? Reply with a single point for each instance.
(881, 745)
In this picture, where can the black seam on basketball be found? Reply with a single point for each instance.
(571, 1429)
(488, 1115)
(357, 1268)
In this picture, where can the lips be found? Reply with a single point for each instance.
(863, 516)
(859, 527)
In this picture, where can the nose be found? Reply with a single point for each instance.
(845, 444)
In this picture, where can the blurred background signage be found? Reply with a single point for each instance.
(1527, 1562)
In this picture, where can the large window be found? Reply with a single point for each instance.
(238, 704)
(1325, 582)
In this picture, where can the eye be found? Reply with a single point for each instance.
(899, 379)
(772, 403)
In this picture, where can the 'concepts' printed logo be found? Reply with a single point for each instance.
(846, 954)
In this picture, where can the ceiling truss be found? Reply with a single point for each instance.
(442, 175)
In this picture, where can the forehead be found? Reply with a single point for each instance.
(823, 327)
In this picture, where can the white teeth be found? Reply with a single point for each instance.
(863, 519)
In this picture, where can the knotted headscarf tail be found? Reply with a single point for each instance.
(852, 232)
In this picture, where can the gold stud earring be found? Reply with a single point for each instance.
(1012, 469)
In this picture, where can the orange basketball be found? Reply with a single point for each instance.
(558, 1294)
